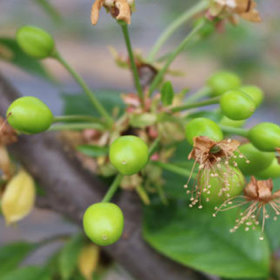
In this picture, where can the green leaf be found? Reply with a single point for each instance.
(12, 53)
(93, 150)
(69, 256)
(12, 255)
(194, 238)
(79, 104)
(28, 273)
(167, 93)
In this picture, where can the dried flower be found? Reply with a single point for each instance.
(119, 9)
(213, 160)
(257, 195)
(246, 9)
(7, 134)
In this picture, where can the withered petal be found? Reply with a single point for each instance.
(97, 5)
(265, 190)
(251, 190)
(124, 11)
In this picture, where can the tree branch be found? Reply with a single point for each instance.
(70, 189)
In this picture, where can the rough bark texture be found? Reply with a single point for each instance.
(70, 189)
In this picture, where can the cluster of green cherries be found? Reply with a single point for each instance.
(258, 158)
(104, 222)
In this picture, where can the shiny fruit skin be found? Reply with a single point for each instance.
(29, 115)
(255, 93)
(203, 127)
(237, 105)
(236, 182)
(223, 81)
(265, 136)
(35, 42)
(259, 160)
(103, 223)
(129, 154)
(272, 171)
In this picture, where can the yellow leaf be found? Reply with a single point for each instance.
(88, 260)
(18, 198)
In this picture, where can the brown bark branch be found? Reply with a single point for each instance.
(70, 190)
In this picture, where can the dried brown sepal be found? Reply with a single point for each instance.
(7, 134)
(257, 196)
(119, 9)
(231, 8)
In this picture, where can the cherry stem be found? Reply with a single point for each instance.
(77, 126)
(187, 106)
(174, 168)
(113, 188)
(205, 91)
(132, 62)
(158, 78)
(76, 118)
(187, 15)
(98, 106)
(234, 130)
(154, 146)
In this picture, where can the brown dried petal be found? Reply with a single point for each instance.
(265, 190)
(201, 147)
(251, 190)
(97, 5)
(124, 11)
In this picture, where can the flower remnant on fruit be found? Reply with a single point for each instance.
(213, 160)
(230, 9)
(7, 134)
(257, 196)
(119, 9)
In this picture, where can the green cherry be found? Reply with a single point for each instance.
(221, 187)
(272, 171)
(265, 136)
(223, 81)
(29, 115)
(255, 93)
(129, 154)
(35, 42)
(103, 223)
(237, 105)
(203, 127)
(258, 160)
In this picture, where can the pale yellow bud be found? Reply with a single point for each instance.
(18, 198)
(88, 260)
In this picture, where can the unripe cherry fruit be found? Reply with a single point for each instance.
(255, 93)
(223, 81)
(258, 160)
(229, 122)
(103, 223)
(29, 115)
(203, 127)
(237, 105)
(222, 188)
(35, 42)
(129, 154)
(272, 171)
(265, 136)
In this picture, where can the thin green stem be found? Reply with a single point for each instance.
(78, 118)
(132, 61)
(98, 106)
(235, 130)
(173, 168)
(113, 188)
(154, 147)
(172, 56)
(187, 15)
(77, 126)
(187, 106)
(143, 195)
(205, 91)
